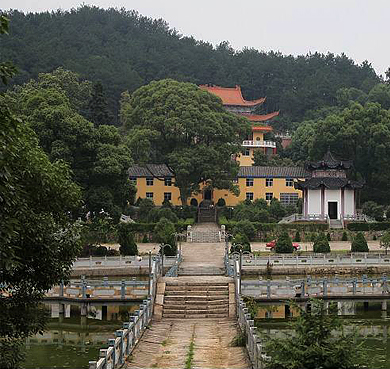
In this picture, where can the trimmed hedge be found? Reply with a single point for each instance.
(378, 226)
(149, 227)
(301, 227)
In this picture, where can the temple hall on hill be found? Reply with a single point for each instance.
(156, 181)
(234, 102)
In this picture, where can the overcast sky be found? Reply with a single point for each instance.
(359, 28)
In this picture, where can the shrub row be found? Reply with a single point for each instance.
(379, 226)
(302, 227)
(181, 225)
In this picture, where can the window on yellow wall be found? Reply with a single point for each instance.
(149, 181)
(149, 195)
(235, 180)
(269, 196)
(249, 182)
(269, 182)
(168, 196)
(168, 181)
(288, 198)
(133, 180)
(289, 182)
(249, 196)
(246, 152)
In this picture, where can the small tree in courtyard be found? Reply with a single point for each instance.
(297, 237)
(321, 244)
(164, 232)
(359, 243)
(313, 344)
(284, 244)
(240, 242)
(126, 240)
(385, 241)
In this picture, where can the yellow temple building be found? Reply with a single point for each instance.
(156, 181)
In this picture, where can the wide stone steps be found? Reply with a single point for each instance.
(205, 237)
(196, 300)
(196, 271)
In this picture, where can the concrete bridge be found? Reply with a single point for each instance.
(189, 319)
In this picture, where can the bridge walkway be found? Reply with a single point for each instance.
(168, 341)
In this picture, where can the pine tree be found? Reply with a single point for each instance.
(98, 106)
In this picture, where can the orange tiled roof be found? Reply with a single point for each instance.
(261, 118)
(231, 95)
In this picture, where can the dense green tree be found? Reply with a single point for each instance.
(38, 199)
(373, 210)
(360, 133)
(359, 243)
(385, 241)
(263, 160)
(284, 244)
(126, 240)
(194, 135)
(98, 107)
(240, 243)
(164, 233)
(321, 244)
(126, 50)
(313, 342)
(96, 155)
(245, 227)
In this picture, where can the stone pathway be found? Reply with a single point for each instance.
(167, 343)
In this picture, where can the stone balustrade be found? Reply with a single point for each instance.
(126, 338)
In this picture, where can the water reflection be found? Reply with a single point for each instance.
(75, 333)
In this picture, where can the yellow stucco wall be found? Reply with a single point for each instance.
(158, 190)
(259, 190)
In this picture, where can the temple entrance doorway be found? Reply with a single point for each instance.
(332, 209)
(207, 194)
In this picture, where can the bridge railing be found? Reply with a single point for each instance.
(323, 287)
(126, 338)
(95, 289)
(174, 269)
(117, 261)
(254, 344)
(352, 259)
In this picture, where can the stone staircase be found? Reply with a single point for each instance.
(205, 236)
(197, 270)
(196, 300)
(206, 215)
(335, 224)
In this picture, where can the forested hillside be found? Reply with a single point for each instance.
(125, 50)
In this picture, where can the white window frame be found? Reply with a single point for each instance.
(269, 196)
(133, 180)
(289, 198)
(149, 195)
(149, 181)
(249, 196)
(168, 181)
(269, 182)
(249, 182)
(166, 195)
(289, 182)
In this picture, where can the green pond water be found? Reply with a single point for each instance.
(71, 340)
(373, 326)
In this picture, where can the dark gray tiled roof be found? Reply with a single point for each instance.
(329, 161)
(328, 182)
(150, 170)
(273, 172)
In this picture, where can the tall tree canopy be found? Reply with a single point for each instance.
(360, 133)
(38, 237)
(189, 130)
(51, 106)
(126, 50)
